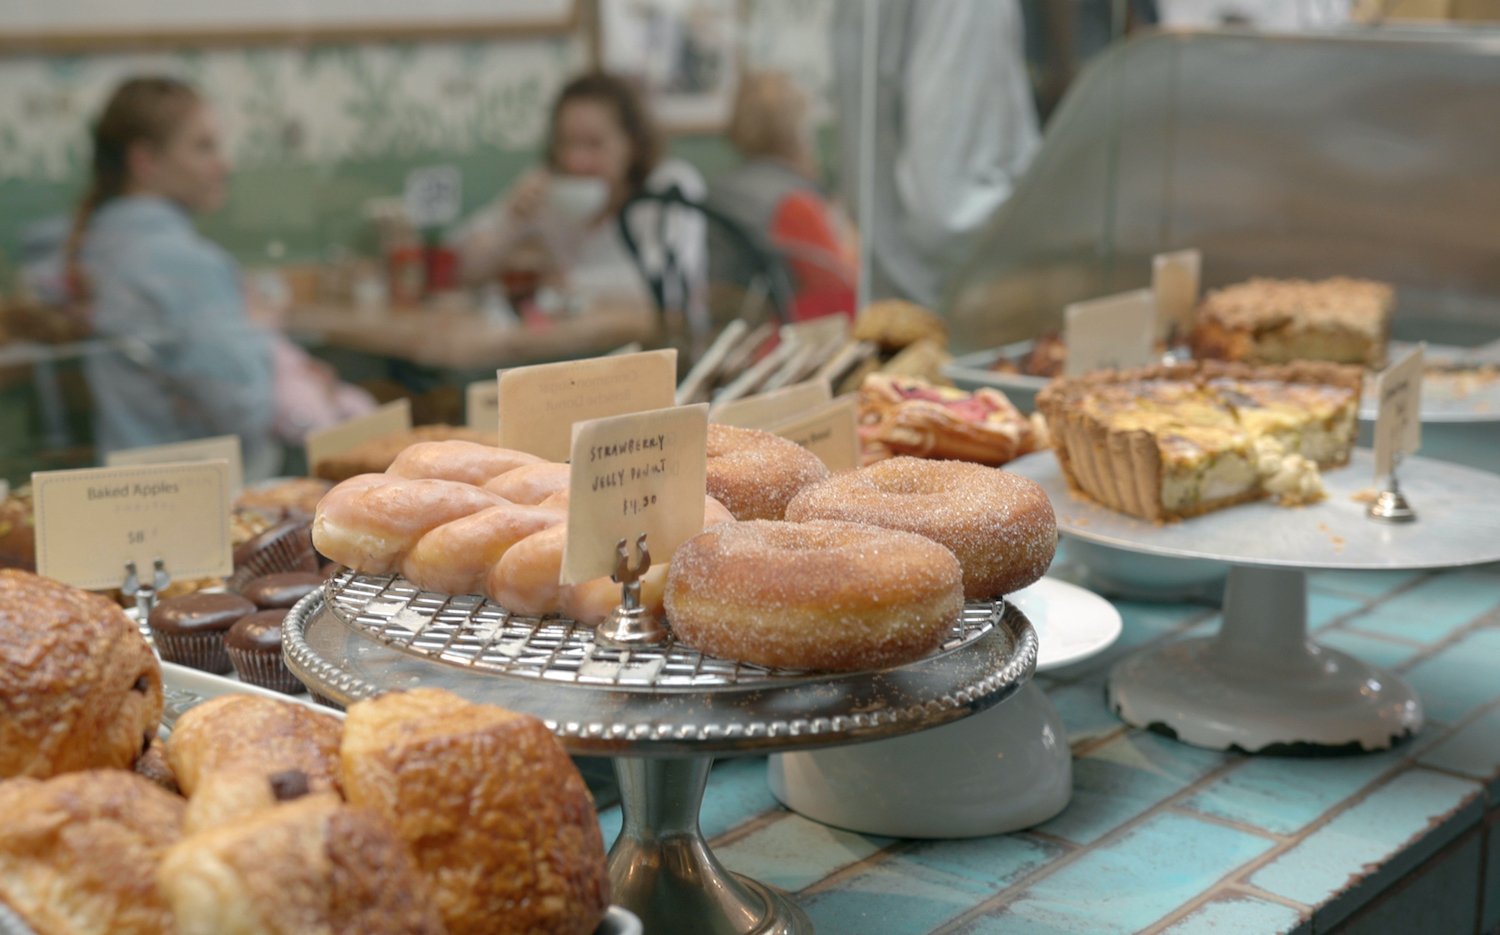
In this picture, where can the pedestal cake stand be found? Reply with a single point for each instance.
(1260, 685)
(663, 713)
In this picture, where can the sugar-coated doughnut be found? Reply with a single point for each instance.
(755, 474)
(821, 595)
(999, 525)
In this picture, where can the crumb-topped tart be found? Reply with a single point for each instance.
(1275, 321)
(1178, 440)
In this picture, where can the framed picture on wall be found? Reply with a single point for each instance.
(685, 53)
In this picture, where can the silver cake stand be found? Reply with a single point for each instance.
(662, 713)
(1260, 685)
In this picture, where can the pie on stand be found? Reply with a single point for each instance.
(1261, 685)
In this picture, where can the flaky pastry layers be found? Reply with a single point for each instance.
(79, 687)
(1175, 441)
(79, 852)
(498, 818)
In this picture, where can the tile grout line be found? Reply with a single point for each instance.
(1087, 675)
(1190, 812)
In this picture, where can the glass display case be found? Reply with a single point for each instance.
(1362, 152)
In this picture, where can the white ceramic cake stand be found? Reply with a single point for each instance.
(1001, 770)
(1260, 685)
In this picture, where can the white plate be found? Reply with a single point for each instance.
(1072, 624)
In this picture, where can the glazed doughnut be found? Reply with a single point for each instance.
(531, 483)
(457, 530)
(822, 595)
(456, 557)
(755, 474)
(375, 524)
(465, 462)
(999, 525)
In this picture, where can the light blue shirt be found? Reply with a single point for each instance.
(180, 359)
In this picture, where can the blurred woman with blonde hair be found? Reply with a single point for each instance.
(774, 194)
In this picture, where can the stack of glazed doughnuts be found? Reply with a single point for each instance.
(464, 518)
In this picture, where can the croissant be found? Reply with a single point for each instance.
(440, 518)
(500, 821)
(78, 852)
(239, 754)
(79, 686)
(314, 866)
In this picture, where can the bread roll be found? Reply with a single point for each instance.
(315, 866)
(239, 754)
(79, 687)
(78, 853)
(501, 823)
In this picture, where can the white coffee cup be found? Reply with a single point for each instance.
(576, 199)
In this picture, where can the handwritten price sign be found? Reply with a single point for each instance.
(1111, 333)
(645, 472)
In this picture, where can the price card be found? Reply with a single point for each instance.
(1398, 426)
(538, 405)
(1175, 279)
(826, 329)
(645, 472)
(434, 195)
(482, 405)
(831, 433)
(219, 448)
(389, 419)
(764, 410)
(1111, 333)
(89, 523)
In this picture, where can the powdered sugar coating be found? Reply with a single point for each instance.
(999, 525)
(755, 474)
(824, 595)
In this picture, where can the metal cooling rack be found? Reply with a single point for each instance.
(480, 635)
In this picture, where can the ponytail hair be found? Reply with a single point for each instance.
(141, 110)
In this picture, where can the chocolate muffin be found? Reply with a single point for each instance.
(281, 591)
(190, 629)
(254, 646)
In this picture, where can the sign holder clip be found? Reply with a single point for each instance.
(631, 625)
(145, 594)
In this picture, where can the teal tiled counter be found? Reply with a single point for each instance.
(1163, 837)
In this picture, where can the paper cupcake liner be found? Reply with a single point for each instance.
(265, 669)
(202, 651)
(290, 551)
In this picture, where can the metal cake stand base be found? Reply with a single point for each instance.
(662, 867)
(1260, 685)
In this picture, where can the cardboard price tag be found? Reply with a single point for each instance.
(831, 433)
(1175, 279)
(539, 405)
(219, 448)
(433, 195)
(389, 419)
(764, 410)
(1398, 426)
(89, 523)
(482, 405)
(1112, 333)
(645, 472)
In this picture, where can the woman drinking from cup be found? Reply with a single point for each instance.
(602, 149)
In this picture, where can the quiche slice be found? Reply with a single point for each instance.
(1341, 320)
(1174, 441)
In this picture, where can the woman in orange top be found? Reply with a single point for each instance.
(774, 196)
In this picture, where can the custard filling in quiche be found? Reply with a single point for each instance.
(1181, 440)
